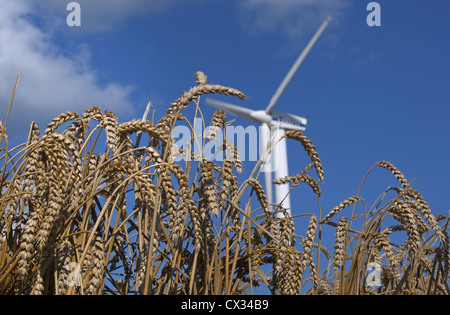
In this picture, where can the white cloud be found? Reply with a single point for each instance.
(51, 82)
(293, 18)
(363, 58)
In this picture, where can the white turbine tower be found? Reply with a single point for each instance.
(281, 121)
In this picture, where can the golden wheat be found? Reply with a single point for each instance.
(80, 215)
(307, 244)
(310, 150)
(339, 250)
(344, 204)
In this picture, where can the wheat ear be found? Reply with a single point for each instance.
(298, 178)
(339, 251)
(307, 244)
(339, 207)
(260, 194)
(309, 148)
(395, 171)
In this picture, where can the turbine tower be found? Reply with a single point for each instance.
(270, 118)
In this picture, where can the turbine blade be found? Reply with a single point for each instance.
(295, 66)
(232, 109)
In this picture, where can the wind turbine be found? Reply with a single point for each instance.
(281, 121)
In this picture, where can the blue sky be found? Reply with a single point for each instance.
(370, 93)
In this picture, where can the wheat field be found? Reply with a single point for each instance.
(89, 205)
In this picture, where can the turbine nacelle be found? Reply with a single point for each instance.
(261, 117)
